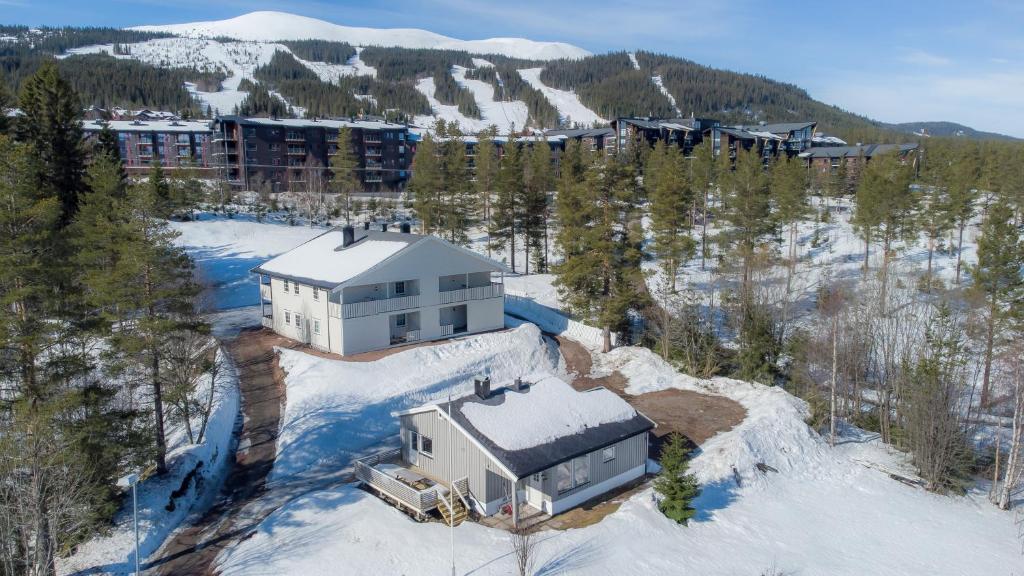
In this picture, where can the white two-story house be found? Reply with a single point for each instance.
(353, 290)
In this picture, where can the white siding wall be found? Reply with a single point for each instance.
(309, 309)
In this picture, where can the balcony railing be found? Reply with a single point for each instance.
(268, 322)
(447, 329)
(371, 307)
(300, 150)
(465, 294)
(371, 139)
(373, 151)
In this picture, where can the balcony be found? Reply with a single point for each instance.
(371, 307)
(295, 137)
(494, 290)
(296, 150)
(267, 322)
(371, 165)
(373, 178)
(371, 138)
(265, 291)
(373, 151)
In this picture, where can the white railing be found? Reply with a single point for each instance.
(371, 307)
(447, 329)
(412, 335)
(492, 290)
(268, 322)
(419, 500)
(265, 291)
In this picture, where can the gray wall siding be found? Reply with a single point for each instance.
(629, 454)
(487, 482)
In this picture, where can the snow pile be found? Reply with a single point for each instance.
(320, 259)
(549, 409)
(570, 109)
(269, 26)
(554, 321)
(773, 431)
(337, 409)
(225, 250)
(115, 553)
(539, 287)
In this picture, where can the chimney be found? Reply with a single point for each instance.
(405, 228)
(348, 235)
(482, 387)
(519, 385)
(383, 226)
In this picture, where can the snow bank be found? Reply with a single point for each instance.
(114, 553)
(549, 410)
(338, 409)
(554, 321)
(538, 287)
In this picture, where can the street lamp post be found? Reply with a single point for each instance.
(131, 481)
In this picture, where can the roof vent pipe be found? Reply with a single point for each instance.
(348, 236)
(405, 228)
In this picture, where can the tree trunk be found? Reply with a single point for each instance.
(959, 249)
(704, 230)
(990, 330)
(867, 246)
(606, 335)
(832, 402)
(931, 251)
(158, 414)
(512, 241)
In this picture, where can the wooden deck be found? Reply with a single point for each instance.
(407, 487)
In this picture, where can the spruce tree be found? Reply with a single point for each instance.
(486, 175)
(537, 183)
(997, 276)
(788, 186)
(344, 169)
(5, 107)
(963, 177)
(50, 124)
(458, 196)
(670, 197)
(676, 486)
(702, 178)
(506, 211)
(747, 209)
(425, 184)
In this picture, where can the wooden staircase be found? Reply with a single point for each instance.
(460, 510)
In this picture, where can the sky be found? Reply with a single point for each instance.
(895, 61)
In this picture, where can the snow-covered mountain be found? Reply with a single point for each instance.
(268, 26)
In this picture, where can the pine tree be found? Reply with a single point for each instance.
(486, 172)
(997, 276)
(702, 177)
(747, 209)
(963, 177)
(5, 106)
(425, 184)
(458, 197)
(537, 183)
(344, 167)
(670, 197)
(676, 486)
(506, 211)
(788, 186)
(50, 124)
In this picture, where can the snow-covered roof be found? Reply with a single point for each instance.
(546, 423)
(324, 262)
(187, 126)
(543, 412)
(309, 123)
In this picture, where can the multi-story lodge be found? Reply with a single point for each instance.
(593, 139)
(828, 159)
(769, 140)
(354, 290)
(683, 132)
(173, 144)
(284, 152)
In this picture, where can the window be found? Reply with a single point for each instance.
(563, 476)
(608, 454)
(287, 317)
(400, 320)
(316, 326)
(316, 293)
(399, 287)
(414, 441)
(426, 446)
(298, 320)
(581, 471)
(286, 285)
(296, 287)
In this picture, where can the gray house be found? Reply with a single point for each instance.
(535, 444)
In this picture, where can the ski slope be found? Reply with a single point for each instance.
(570, 109)
(270, 26)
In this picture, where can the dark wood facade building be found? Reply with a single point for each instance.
(174, 144)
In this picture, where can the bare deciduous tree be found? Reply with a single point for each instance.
(523, 541)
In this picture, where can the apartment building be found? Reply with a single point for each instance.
(174, 144)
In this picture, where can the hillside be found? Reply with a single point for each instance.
(949, 129)
(278, 63)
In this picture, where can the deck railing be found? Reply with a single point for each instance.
(371, 307)
(493, 290)
(447, 329)
(419, 500)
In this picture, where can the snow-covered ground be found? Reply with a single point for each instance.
(504, 115)
(826, 511)
(224, 250)
(661, 86)
(337, 410)
(114, 553)
(570, 109)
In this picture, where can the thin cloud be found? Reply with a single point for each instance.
(924, 58)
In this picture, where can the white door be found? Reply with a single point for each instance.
(534, 491)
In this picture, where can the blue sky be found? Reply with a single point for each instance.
(890, 60)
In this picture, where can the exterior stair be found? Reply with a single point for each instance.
(460, 510)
